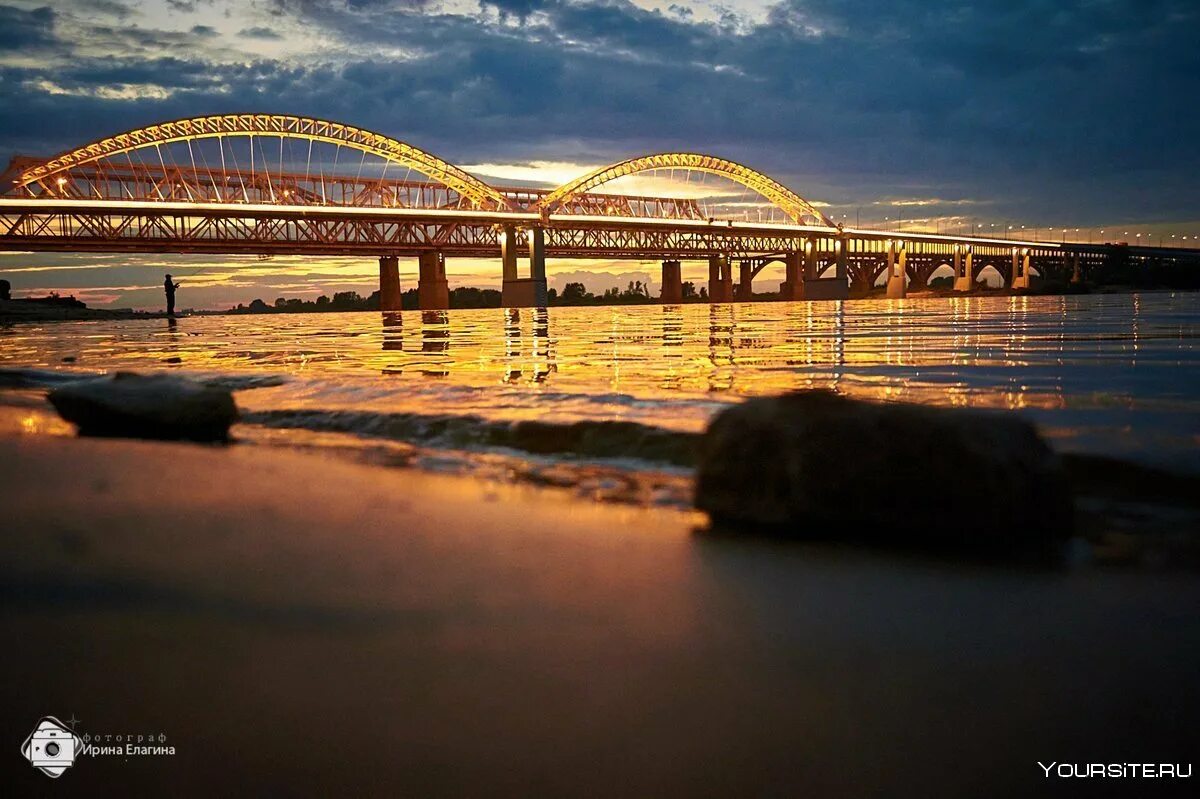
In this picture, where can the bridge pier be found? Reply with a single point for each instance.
(1076, 273)
(433, 292)
(745, 291)
(827, 288)
(964, 268)
(1020, 269)
(389, 283)
(523, 292)
(792, 287)
(672, 283)
(810, 260)
(720, 279)
(897, 257)
(537, 264)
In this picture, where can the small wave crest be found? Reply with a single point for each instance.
(40, 378)
(603, 439)
(31, 378)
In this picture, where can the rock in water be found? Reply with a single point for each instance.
(146, 406)
(819, 465)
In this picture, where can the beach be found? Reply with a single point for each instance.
(294, 623)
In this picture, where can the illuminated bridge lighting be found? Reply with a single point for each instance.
(274, 184)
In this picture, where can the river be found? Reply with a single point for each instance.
(1113, 374)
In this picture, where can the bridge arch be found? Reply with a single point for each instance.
(478, 193)
(781, 196)
(939, 269)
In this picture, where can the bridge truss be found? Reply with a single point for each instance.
(274, 184)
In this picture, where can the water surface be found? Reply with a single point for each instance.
(1110, 374)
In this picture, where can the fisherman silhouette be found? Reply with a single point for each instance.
(169, 287)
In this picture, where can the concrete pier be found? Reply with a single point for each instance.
(745, 287)
(840, 247)
(830, 288)
(508, 252)
(720, 279)
(803, 282)
(433, 292)
(792, 287)
(523, 292)
(897, 258)
(810, 260)
(1020, 269)
(389, 283)
(826, 288)
(964, 268)
(672, 283)
(1076, 273)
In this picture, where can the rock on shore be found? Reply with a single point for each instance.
(821, 465)
(146, 406)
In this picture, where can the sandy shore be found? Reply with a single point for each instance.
(298, 625)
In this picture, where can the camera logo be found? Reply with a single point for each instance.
(51, 747)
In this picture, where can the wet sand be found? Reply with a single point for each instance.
(299, 625)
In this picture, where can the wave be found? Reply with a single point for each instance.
(601, 439)
(40, 378)
(31, 378)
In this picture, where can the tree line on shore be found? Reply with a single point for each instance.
(635, 293)
(1118, 273)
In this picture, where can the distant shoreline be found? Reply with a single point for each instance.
(36, 310)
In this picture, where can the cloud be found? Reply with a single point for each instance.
(260, 32)
(521, 9)
(188, 6)
(22, 29)
(1067, 112)
(109, 7)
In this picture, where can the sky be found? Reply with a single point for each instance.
(1049, 113)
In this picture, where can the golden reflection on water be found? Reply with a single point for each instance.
(671, 365)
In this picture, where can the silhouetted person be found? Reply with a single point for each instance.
(5, 290)
(169, 287)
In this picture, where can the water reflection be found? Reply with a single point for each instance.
(392, 340)
(1112, 363)
(672, 326)
(512, 344)
(528, 346)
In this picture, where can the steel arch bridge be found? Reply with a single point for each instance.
(47, 176)
(268, 184)
(797, 208)
(105, 169)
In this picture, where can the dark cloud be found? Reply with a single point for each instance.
(22, 29)
(259, 33)
(188, 6)
(1064, 110)
(110, 7)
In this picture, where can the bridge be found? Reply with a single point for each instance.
(269, 184)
